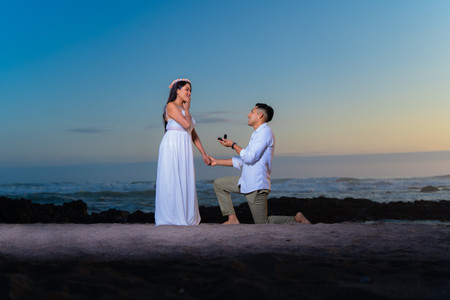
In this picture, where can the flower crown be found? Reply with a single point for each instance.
(180, 79)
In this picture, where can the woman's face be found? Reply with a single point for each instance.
(185, 92)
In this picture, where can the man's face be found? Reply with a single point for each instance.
(253, 116)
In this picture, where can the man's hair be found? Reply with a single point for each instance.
(268, 111)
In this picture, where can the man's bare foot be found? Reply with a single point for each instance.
(300, 218)
(232, 219)
(230, 222)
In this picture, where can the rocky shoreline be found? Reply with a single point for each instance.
(317, 210)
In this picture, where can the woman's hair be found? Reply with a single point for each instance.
(172, 97)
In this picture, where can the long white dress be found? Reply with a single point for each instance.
(176, 194)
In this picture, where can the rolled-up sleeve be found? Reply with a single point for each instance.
(237, 162)
(258, 143)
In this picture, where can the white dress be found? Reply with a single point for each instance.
(176, 195)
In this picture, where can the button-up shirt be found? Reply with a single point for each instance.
(256, 160)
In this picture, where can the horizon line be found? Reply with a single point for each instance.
(289, 155)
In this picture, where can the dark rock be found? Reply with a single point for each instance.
(317, 210)
(76, 211)
(332, 210)
(141, 217)
(429, 189)
(24, 211)
(110, 216)
(327, 210)
(321, 209)
(212, 214)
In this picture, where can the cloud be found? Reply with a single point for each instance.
(207, 119)
(213, 117)
(223, 112)
(89, 130)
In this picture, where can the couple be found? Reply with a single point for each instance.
(176, 195)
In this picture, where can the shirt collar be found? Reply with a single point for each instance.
(261, 126)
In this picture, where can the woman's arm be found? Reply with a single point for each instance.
(175, 113)
(198, 144)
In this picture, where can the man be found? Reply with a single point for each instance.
(256, 163)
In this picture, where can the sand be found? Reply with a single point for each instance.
(291, 261)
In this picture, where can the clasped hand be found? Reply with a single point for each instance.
(207, 159)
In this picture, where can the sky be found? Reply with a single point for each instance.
(359, 88)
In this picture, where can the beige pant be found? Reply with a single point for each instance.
(257, 201)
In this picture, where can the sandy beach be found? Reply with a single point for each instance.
(291, 261)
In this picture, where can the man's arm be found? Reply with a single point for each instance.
(221, 162)
(233, 145)
(256, 147)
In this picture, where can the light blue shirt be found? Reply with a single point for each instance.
(256, 160)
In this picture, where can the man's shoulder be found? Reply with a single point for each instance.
(266, 128)
(265, 132)
(263, 127)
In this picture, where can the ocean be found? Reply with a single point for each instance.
(140, 195)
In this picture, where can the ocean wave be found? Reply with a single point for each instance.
(18, 185)
(140, 195)
(147, 193)
(347, 179)
(282, 180)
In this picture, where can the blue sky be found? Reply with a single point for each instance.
(85, 82)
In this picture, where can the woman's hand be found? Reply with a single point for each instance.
(187, 105)
(174, 112)
(206, 159)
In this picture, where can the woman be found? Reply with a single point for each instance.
(176, 195)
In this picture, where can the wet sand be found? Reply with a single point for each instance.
(210, 261)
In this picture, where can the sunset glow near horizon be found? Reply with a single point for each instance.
(86, 82)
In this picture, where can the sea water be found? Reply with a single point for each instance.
(140, 195)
